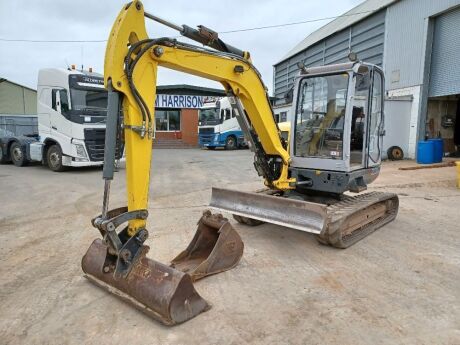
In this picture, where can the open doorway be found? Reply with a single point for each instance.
(443, 120)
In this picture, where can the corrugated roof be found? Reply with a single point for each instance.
(347, 19)
(12, 82)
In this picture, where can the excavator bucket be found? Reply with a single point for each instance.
(216, 247)
(166, 293)
(160, 291)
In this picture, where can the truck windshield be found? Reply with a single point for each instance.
(209, 116)
(83, 99)
(89, 104)
(88, 99)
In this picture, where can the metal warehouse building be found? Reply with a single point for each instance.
(416, 42)
(17, 99)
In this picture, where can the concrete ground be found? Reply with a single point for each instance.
(401, 285)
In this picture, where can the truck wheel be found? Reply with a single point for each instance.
(3, 156)
(18, 156)
(54, 158)
(230, 143)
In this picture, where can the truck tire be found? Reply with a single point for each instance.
(3, 156)
(395, 153)
(17, 154)
(54, 158)
(231, 143)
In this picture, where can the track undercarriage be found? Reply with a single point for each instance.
(338, 223)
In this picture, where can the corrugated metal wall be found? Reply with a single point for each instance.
(15, 99)
(406, 25)
(30, 101)
(445, 58)
(366, 38)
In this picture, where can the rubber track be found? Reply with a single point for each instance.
(339, 212)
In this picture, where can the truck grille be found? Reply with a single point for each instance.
(205, 139)
(208, 130)
(95, 144)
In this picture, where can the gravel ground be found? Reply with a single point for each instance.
(398, 286)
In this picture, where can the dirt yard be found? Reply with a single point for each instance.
(401, 285)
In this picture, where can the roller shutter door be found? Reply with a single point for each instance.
(445, 58)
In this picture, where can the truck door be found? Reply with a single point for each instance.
(61, 127)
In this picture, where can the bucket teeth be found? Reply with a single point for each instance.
(216, 247)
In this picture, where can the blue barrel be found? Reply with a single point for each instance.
(438, 149)
(425, 152)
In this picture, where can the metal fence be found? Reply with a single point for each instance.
(18, 125)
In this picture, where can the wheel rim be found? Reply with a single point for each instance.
(54, 159)
(231, 142)
(17, 154)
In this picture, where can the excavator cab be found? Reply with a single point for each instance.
(337, 127)
(335, 145)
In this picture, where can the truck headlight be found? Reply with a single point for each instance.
(81, 152)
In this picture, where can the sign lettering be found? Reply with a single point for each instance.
(180, 101)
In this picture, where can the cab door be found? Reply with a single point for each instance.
(375, 120)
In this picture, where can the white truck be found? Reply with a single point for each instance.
(72, 111)
(218, 126)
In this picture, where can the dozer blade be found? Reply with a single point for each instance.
(297, 214)
(340, 224)
(162, 292)
(216, 247)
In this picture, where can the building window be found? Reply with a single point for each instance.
(167, 120)
(283, 116)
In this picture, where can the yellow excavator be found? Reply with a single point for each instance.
(307, 167)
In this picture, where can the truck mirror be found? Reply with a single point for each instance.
(63, 101)
(58, 101)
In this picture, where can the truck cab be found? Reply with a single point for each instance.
(71, 118)
(72, 110)
(218, 126)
